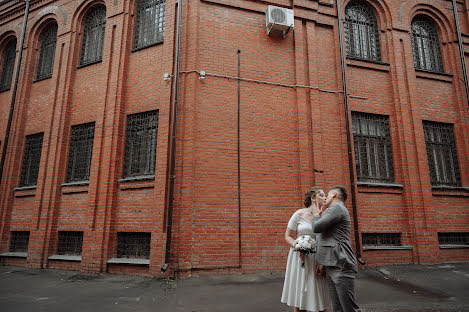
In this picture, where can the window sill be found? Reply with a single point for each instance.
(75, 187)
(368, 64)
(25, 191)
(373, 187)
(14, 254)
(146, 181)
(41, 79)
(450, 191)
(434, 75)
(136, 261)
(65, 257)
(147, 46)
(453, 246)
(387, 248)
(88, 64)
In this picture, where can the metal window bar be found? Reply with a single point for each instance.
(441, 154)
(381, 239)
(140, 145)
(133, 245)
(149, 24)
(93, 36)
(19, 241)
(81, 149)
(373, 151)
(9, 56)
(426, 46)
(48, 40)
(361, 32)
(453, 238)
(31, 159)
(70, 243)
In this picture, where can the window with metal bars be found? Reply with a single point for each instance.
(381, 239)
(373, 152)
(81, 149)
(19, 241)
(453, 238)
(140, 144)
(426, 45)
(441, 154)
(31, 159)
(93, 36)
(361, 32)
(133, 245)
(70, 243)
(8, 64)
(45, 64)
(149, 23)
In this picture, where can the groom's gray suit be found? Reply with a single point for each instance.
(335, 253)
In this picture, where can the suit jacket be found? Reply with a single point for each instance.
(334, 246)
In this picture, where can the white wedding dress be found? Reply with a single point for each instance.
(302, 287)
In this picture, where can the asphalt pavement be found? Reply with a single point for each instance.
(392, 288)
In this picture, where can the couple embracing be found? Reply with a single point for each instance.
(317, 281)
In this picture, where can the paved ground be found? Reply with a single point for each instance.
(394, 288)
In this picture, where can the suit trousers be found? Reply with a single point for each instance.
(341, 284)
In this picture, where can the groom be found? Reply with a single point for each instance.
(335, 249)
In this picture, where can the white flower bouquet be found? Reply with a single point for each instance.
(306, 245)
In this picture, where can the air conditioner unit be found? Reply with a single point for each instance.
(279, 19)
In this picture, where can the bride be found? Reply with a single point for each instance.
(305, 287)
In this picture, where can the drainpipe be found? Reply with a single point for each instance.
(169, 201)
(349, 141)
(461, 49)
(15, 87)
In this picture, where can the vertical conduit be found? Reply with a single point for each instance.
(349, 141)
(461, 49)
(169, 200)
(15, 87)
(239, 159)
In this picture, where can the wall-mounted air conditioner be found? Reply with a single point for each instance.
(279, 19)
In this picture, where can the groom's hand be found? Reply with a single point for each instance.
(320, 270)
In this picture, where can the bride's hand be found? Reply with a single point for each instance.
(316, 209)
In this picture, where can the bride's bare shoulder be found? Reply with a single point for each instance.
(301, 212)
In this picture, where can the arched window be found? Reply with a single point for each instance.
(8, 64)
(426, 45)
(93, 36)
(149, 24)
(48, 40)
(361, 32)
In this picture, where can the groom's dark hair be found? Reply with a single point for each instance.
(341, 192)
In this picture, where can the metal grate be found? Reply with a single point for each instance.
(453, 238)
(93, 36)
(426, 45)
(381, 239)
(81, 148)
(133, 245)
(31, 159)
(45, 63)
(9, 55)
(149, 25)
(70, 243)
(441, 154)
(361, 32)
(373, 152)
(140, 145)
(19, 241)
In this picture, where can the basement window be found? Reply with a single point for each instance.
(381, 239)
(19, 241)
(133, 245)
(70, 243)
(453, 239)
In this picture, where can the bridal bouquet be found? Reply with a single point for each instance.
(306, 245)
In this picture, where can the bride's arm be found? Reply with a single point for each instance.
(290, 236)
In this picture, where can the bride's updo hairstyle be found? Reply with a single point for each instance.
(312, 193)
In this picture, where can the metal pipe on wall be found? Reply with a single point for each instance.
(349, 140)
(15, 87)
(169, 200)
(461, 49)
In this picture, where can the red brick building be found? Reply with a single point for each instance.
(134, 147)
